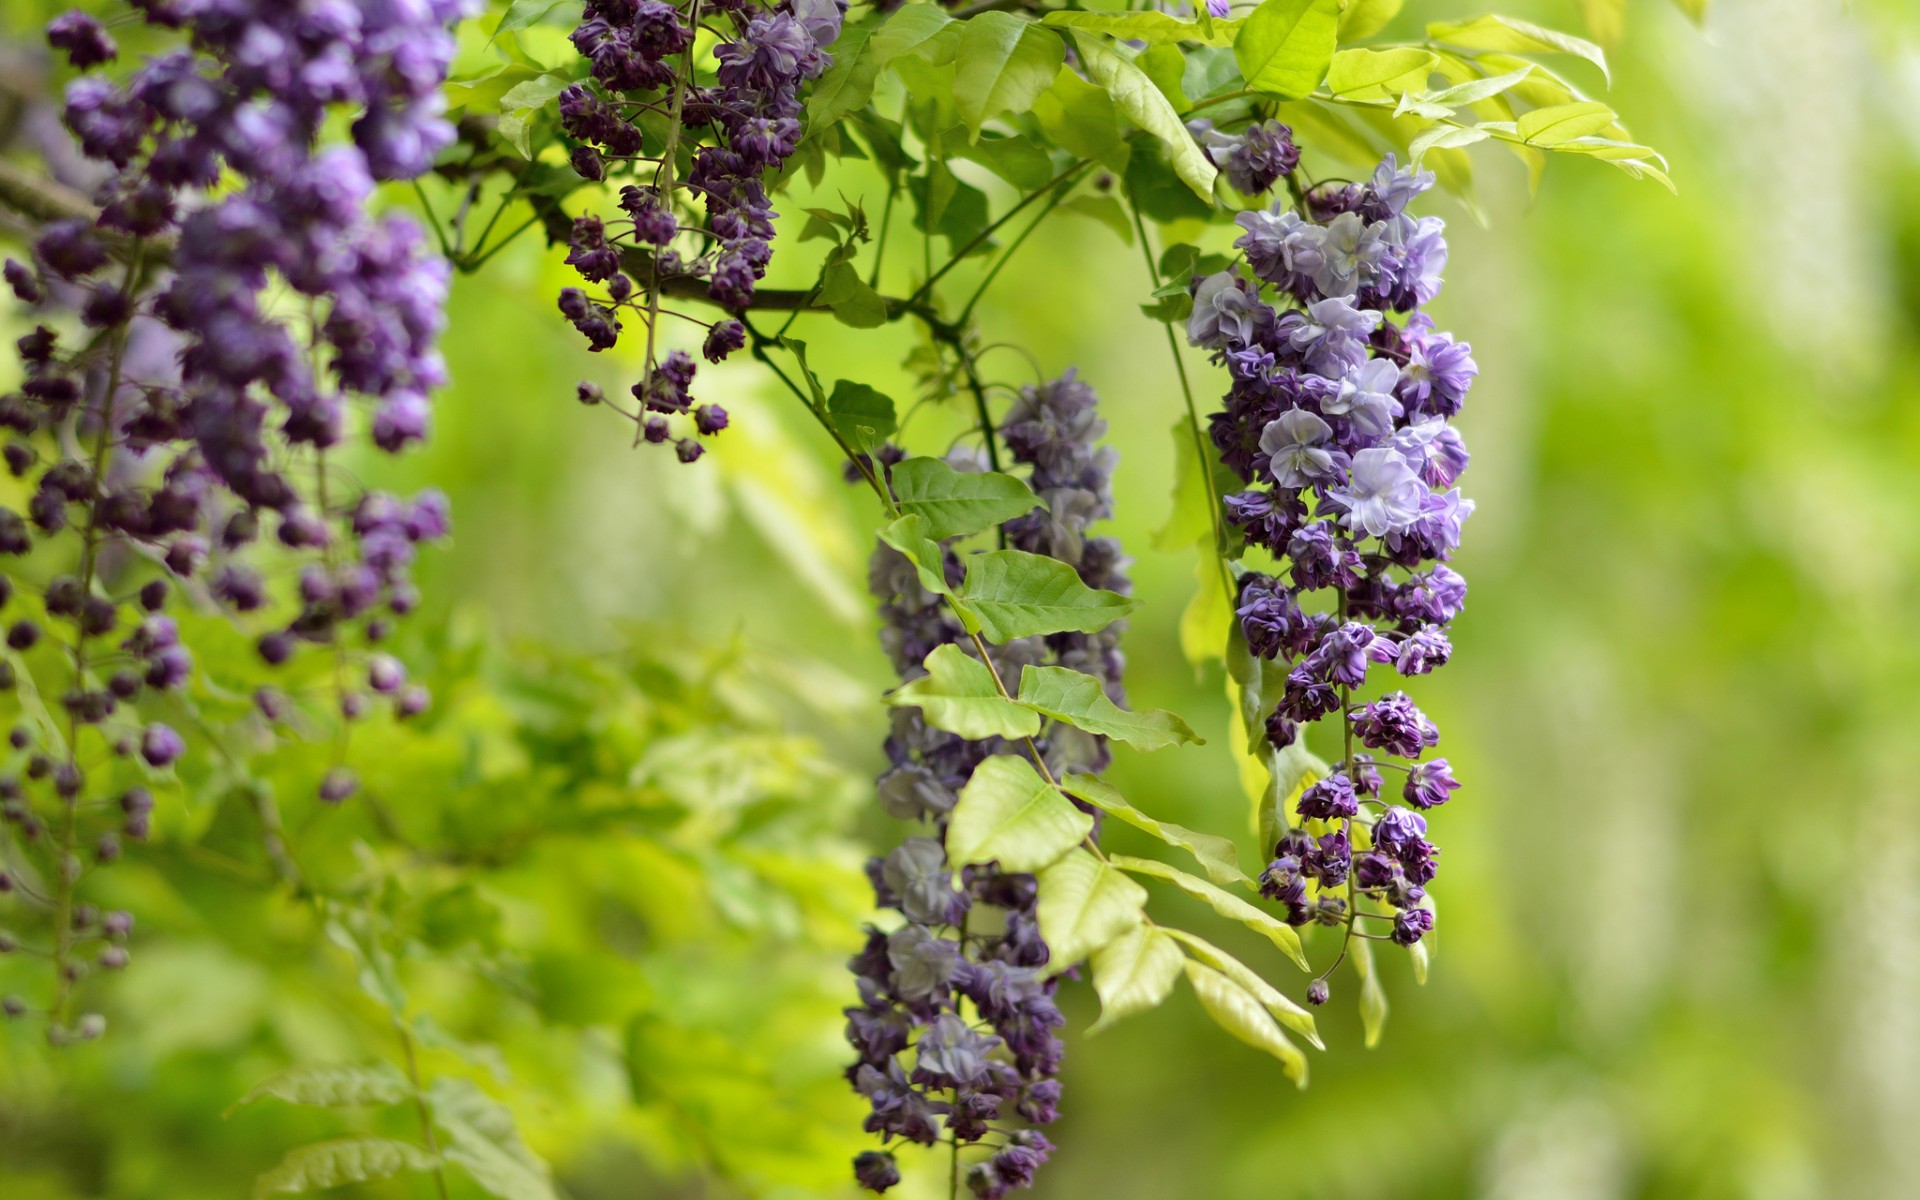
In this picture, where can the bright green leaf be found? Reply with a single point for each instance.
(1236, 1010)
(1134, 972)
(1564, 122)
(908, 535)
(1364, 18)
(1081, 701)
(1084, 904)
(1015, 159)
(332, 1086)
(1286, 45)
(1153, 28)
(848, 83)
(1081, 119)
(533, 93)
(1285, 1011)
(1445, 137)
(1166, 66)
(524, 14)
(341, 1162)
(914, 29)
(1003, 65)
(1373, 997)
(1223, 902)
(1515, 36)
(484, 1141)
(1215, 854)
(958, 694)
(1014, 594)
(957, 503)
(1366, 73)
(1142, 103)
(1008, 814)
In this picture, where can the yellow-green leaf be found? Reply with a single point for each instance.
(1081, 701)
(1514, 36)
(958, 694)
(1004, 63)
(1008, 814)
(908, 535)
(1366, 73)
(332, 1086)
(341, 1162)
(1563, 122)
(1153, 28)
(1223, 902)
(1215, 854)
(1373, 997)
(1140, 102)
(1084, 904)
(1134, 972)
(1285, 46)
(1014, 594)
(1364, 18)
(1236, 1010)
(1285, 1011)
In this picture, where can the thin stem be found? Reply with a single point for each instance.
(420, 1106)
(886, 221)
(64, 865)
(433, 221)
(980, 238)
(1007, 255)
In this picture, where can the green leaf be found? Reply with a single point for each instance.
(1008, 814)
(1364, 18)
(1081, 119)
(1153, 28)
(1215, 854)
(957, 503)
(861, 415)
(908, 535)
(1606, 19)
(1445, 137)
(1373, 997)
(1369, 73)
(1285, 1011)
(1134, 972)
(1473, 91)
(523, 14)
(1142, 103)
(1003, 64)
(1515, 36)
(1286, 45)
(848, 83)
(340, 1162)
(852, 301)
(332, 1086)
(1014, 594)
(1081, 701)
(958, 694)
(534, 93)
(1015, 159)
(1084, 904)
(1166, 66)
(1104, 209)
(1223, 902)
(1564, 123)
(915, 29)
(1240, 1013)
(484, 1141)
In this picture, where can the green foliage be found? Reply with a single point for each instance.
(1081, 701)
(957, 503)
(959, 694)
(1014, 594)
(1004, 63)
(1085, 903)
(343, 1161)
(1286, 45)
(1009, 815)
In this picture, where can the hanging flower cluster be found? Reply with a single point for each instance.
(926, 1070)
(1338, 419)
(232, 315)
(645, 105)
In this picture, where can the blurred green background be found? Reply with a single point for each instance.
(1679, 952)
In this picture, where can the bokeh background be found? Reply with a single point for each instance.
(1680, 943)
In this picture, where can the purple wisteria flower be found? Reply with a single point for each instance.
(1338, 419)
(927, 1069)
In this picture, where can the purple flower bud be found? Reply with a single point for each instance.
(338, 784)
(160, 745)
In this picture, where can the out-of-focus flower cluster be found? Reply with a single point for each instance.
(232, 314)
(1338, 420)
(644, 105)
(974, 939)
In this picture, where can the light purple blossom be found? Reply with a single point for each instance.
(1385, 495)
(1366, 399)
(1296, 445)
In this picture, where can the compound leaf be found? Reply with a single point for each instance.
(1223, 902)
(1084, 904)
(1014, 594)
(1215, 854)
(958, 694)
(957, 503)
(1240, 1013)
(1081, 701)
(342, 1161)
(1008, 814)
(1134, 972)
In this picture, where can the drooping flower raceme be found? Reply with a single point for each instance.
(927, 1071)
(741, 123)
(1338, 420)
(232, 315)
